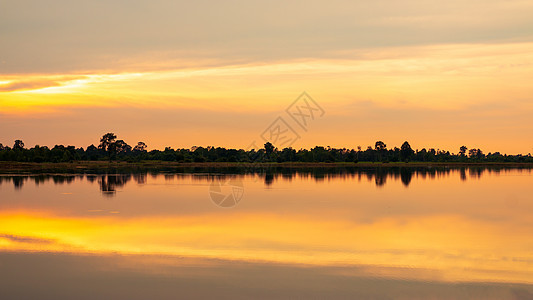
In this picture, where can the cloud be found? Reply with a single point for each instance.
(26, 239)
(27, 85)
(61, 35)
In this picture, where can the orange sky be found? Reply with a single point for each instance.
(436, 74)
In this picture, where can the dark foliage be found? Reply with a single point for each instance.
(112, 149)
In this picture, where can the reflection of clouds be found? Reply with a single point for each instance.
(143, 276)
(307, 223)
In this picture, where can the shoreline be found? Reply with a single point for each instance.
(105, 165)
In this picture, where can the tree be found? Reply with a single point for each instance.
(462, 150)
(480, 153)
(269, 148)
(107, 141)
(141, 147)
(380, 146)
(19, 144)
(476, 153)
(406, 152)
(91, 148)
(121, 147)
(472, 153)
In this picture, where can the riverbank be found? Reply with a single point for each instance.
(105, 165)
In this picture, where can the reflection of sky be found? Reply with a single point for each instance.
(443, 227)
(53, 277)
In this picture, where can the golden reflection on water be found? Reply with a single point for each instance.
(438, 228)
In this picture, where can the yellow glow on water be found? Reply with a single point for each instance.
(440, 228)
(457, 248)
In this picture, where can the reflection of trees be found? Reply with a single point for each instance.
(140, 178)
(462, 172)
(40, 179)
(287, 176)
(18, 182)
(380, 176)
(92, 178)
(269, 178)
(61, 179)
(476, 172)
(406, 174)
(110, 183)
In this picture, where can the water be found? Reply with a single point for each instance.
(284, 233)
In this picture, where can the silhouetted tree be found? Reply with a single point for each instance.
(380, 146)
(462, 150)
(269, 149)
(380, 149)
(110, 148)
(141, 147)
(472, 153)
(121, 147)
(107, 141)
(406, 152)
(480, 153)
(19, 145)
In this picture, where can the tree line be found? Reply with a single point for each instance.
(113, 149)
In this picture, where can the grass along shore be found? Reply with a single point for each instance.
(113, 165)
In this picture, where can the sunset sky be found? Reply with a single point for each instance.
(439, 74)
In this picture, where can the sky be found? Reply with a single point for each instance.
(439, 74)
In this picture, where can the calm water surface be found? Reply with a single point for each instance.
(369, 234)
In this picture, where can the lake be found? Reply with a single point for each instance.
(368, 233)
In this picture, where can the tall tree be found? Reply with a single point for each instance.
(269, 148)
(120, 147)
(406, 152)
(19, 144)
(472, 153)
(380, 146)
(107, 141)
(141, 146)
(462, 150)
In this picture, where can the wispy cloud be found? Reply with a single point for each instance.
(36, 82)
(61, 35)
(26, 239)
(27, 85)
